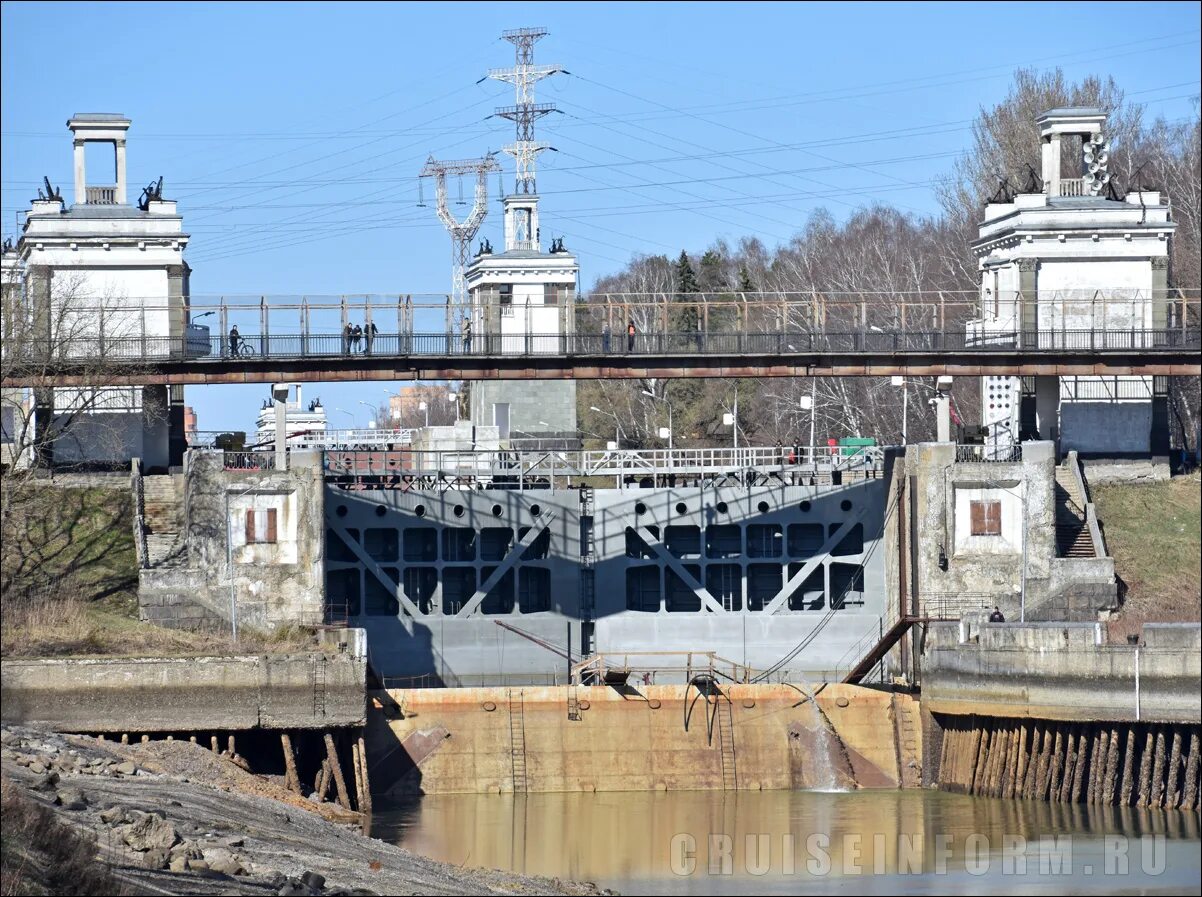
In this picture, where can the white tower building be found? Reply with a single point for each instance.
(1061, 263)
(113, 274)
(522, 295)
(525, 296)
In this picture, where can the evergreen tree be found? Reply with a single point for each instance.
(711, 278)
(746, 284)
(686, 280)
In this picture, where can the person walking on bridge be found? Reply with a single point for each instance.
(369, 336)
(606, 333)
(235, 341)
(630, 332)
(466, 331)
(347, 335)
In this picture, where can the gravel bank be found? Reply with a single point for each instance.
(175, 819)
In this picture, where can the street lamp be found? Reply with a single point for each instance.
(348, 414)
(617, 424)
(454, 397)
(648, 392)
(422, 406)
(371, 421)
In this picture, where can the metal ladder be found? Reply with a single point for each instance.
(726, 742)
(588, 582)
(907, 746)
(319, 686)
(517, 743)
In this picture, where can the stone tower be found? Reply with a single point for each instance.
(1066, 259)
(111, 277)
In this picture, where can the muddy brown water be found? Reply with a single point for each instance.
(783, 842)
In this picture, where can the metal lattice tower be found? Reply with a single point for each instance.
(523, 76)
(462, 232)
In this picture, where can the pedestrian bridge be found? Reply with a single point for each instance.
(757, 335)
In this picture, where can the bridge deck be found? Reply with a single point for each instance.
(443, 356)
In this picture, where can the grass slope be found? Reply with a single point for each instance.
(1154, 533)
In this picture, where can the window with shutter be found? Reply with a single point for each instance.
(261, 526)
(986, 518)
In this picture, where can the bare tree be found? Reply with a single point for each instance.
(49, 325)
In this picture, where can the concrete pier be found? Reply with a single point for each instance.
(181, 694)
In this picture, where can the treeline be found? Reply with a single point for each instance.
(882, 251)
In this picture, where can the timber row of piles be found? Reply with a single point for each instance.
(1112, 764)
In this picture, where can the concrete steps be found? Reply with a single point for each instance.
(1072, 535)
(163, 519)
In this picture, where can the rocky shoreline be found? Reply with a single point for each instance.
(173, 818)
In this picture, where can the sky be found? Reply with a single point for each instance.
(291, 134)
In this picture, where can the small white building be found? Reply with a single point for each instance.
(1065, 263)
(109, 277)
(300, 421)
(523, 298)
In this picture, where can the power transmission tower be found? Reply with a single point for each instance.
(462, 232)
(523, 76)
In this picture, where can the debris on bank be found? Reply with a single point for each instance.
(173, 817)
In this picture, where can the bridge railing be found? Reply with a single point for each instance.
(598, 347)
(522, 467)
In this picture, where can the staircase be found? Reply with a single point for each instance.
(725, 724)
(517, 742)
(163, 520)
(1072, 534)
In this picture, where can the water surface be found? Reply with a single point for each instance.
(782, 842)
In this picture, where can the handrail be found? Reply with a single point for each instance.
(141, 547)
(782, 343)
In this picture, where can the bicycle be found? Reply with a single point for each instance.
(243, 350)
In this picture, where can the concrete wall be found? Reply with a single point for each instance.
(462, 740)
(179, 694)
(1063, 671)
(992, 567)
(264, 585)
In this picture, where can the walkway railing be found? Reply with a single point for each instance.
(594, 346)
(517, 467)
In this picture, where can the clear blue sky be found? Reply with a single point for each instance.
(291, 134)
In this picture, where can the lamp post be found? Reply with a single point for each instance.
(648, 392)
(371, 422)
(454, 397)
(617, 425)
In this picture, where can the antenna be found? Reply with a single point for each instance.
(523, 76)
(461, 232)
(421, 199)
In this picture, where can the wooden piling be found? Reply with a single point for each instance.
(1145, 769)
(1057, 770)
(192, 739)
(290, 775)
(1020, 773)
(1070, 762)
(1051, 743)
(365, 806)
(322, 785)
(125, 738)
(1172, 794)
(213, 745)
(336, 767)
(1110, 777)
(1189, 793)
(1157, 793)
(1079, 771)
(145, 739)
(978, 765)
(233, 750)
(1128, 782)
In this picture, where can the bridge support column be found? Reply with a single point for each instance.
(177, 438)
(1047, 408)
(156, 428)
